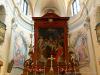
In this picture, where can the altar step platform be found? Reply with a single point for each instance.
(60, 68)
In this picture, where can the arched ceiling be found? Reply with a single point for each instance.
(40, 7)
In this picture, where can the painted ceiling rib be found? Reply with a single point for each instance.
(60, 4)
(65, 6)
(35, 6)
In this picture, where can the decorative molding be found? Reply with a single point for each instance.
(81, 17)
(21, 15)
(23, 24)
(16, 15)
(47, 9)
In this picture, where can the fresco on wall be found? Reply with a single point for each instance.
(20, 49)
(80, 47)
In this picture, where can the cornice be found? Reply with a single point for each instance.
(79, 19)
(76, 20)
(21, 15)
(20, 18)
(19, 21)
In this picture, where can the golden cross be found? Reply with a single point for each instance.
(51, 58)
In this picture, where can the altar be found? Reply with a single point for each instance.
(51, 55)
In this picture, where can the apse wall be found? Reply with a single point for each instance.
(17, 39)
(5, 46)
(82, 37)
(19, 46)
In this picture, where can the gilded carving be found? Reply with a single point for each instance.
(2, 32)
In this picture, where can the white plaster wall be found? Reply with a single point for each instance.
(75, 23)
(24, 23)
(4, 48)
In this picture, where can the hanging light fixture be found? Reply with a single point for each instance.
(98, 32)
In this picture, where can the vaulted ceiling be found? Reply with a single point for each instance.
(40, 7)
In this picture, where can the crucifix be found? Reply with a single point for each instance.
(51, 58)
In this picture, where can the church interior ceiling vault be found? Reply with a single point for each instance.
(40, 6)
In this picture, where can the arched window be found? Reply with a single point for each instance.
(24, 6)
(75, 7)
